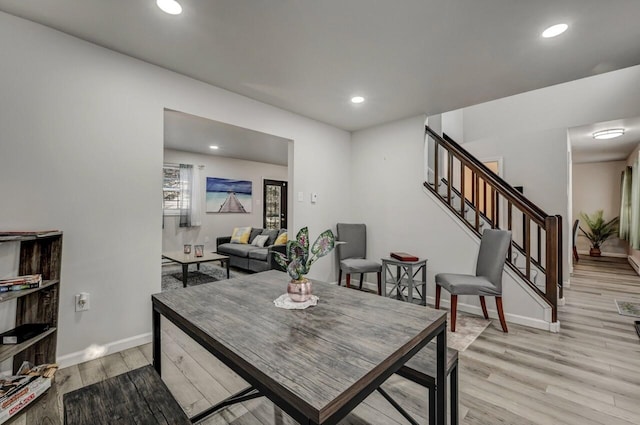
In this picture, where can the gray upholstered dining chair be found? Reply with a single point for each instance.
(353, 252)
(487, 280)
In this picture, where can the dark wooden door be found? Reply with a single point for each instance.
(275, 204)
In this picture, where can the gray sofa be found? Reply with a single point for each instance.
(250, 257)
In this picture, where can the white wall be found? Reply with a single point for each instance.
(388, 196)
(634, 254)
(215, 224)
(596, 186)
(529, 131)
(81, 131)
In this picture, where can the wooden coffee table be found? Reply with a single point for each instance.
(186, 259)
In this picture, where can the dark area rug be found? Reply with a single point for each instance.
(172, 275)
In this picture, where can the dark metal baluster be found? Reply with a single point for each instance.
(449, 177)
(497, 210)
(493, 207)
(527, 247)
(477, 208)
(539, 246)
(509, 224)
(484, 197)
(462, 193)
(435, 166)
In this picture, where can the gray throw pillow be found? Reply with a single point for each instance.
(260, 240)
(272, 233)
(254, 232)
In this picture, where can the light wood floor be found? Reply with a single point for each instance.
(589, 373)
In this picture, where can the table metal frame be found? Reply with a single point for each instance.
(258, 389)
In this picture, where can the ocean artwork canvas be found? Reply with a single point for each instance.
(228, 195)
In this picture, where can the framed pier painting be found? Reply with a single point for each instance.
(228, 195)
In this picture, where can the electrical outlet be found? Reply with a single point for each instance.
(82, 301)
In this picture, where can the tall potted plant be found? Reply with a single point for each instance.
(599, 230)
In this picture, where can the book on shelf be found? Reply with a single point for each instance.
(22, 333)
(403, 256)
(12, 288)
(21, 280)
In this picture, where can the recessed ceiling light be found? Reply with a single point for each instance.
(357, 99)
(611, 133)
(555, 30)
(214, 147)
(172, 7)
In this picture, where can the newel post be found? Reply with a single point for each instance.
(551, 265)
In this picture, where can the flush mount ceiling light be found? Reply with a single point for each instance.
(611, 133)
(357, 99)
(555, 30)
(172, 7)
(214, 147)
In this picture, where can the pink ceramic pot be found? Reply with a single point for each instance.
(299, 290)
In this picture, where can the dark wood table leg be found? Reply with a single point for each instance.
(441, 377)
(185, 273)
(228, 261)
(454, 395)
(155, 318)
(424, 284)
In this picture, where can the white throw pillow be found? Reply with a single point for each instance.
(260, 240)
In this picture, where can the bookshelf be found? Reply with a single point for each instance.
(39, 252)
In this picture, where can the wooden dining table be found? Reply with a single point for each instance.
(316, 364)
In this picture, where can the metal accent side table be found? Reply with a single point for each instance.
(405, 278)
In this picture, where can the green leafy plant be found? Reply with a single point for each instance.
(599, 230)
(299, 257)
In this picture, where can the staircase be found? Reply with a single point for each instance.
(481, 199)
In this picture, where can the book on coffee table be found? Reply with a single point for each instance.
(403, 256)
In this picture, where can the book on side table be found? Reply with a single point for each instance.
(403, 256)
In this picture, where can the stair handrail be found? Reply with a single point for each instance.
(552, 224)
(516, 197)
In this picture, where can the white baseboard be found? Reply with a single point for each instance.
(605, 254)
(509, 317)
(97, 351)
(477, 310)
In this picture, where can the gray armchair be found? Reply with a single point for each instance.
(487, 280)
(352, 253)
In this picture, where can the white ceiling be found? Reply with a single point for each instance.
(406, 57)
(195, 134)
(584, 148)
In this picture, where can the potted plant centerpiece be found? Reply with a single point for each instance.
(599, 230)
(299, 259)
